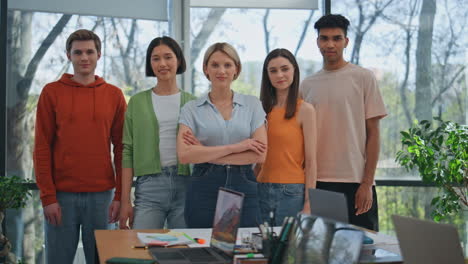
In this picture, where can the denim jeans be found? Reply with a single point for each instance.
(203, 188)
(159, 198)
(88, 211)
(283, 199)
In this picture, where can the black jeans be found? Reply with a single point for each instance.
(370, 219)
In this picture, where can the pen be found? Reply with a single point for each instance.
(272, 221)
(267, 230)
(283, 225)
(140, 247)
(200, 240)
(262, 230)
(287, 228)
(191, 239)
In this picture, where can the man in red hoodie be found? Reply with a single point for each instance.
(78, 118)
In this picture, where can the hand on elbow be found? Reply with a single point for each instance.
(250, 144)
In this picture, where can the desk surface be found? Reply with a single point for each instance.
(121, 242)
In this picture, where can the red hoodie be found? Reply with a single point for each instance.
(75, 126)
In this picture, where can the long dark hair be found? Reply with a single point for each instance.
(268, 92)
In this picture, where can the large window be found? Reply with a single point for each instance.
(384, 38)
(253, 32)
(420, 76)
(36, 56)
(418, 50)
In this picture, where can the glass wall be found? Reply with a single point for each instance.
(36, 56)
(383, 37)
(421, 76)
(253, 32)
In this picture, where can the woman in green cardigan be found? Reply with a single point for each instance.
(150, 131)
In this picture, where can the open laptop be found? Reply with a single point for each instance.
(223, 238)
(328, 204)
(427, 242)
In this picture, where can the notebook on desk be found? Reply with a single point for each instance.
(223, 238)
(427, 242)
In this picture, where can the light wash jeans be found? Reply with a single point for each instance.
(284, 199)
(159, 198)
(88, 211)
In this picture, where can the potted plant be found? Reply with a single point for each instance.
(13, 194)
(440, 155)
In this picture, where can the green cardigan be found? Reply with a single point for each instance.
(141, 136)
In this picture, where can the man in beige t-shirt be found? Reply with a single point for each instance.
(348, 106)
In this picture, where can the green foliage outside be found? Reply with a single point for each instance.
(414, 202)
(14, 193)
(441, 156)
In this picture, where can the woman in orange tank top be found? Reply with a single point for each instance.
(290, 165)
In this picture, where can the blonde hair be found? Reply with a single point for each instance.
(226, 49)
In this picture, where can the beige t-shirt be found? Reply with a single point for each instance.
(343, 100)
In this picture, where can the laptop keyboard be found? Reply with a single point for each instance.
(198, 255)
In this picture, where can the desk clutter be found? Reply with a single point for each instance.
(301, 239)
(312, 239)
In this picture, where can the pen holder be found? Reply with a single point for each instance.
(269, 247)
(277, 254)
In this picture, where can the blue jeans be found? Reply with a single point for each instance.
(88, 211)
(203, 188)
(284, 199)
(159, 198)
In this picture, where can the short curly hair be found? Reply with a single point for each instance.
(332, 21)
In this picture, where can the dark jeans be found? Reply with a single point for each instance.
(283, 199)
(370, 219)
(202, 193)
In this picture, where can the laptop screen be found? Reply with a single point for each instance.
(328, 204)
(227, 220)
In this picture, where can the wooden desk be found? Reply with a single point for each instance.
(118, 243)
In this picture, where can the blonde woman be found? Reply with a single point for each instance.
(223, 134)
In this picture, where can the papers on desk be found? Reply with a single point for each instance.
(179, 236)
(203, 233)
(172, 238)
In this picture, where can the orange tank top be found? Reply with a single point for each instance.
(284, 161)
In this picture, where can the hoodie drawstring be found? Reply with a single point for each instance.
(72, 103)
(94, 103)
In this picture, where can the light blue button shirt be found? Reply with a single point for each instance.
(209, 126)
